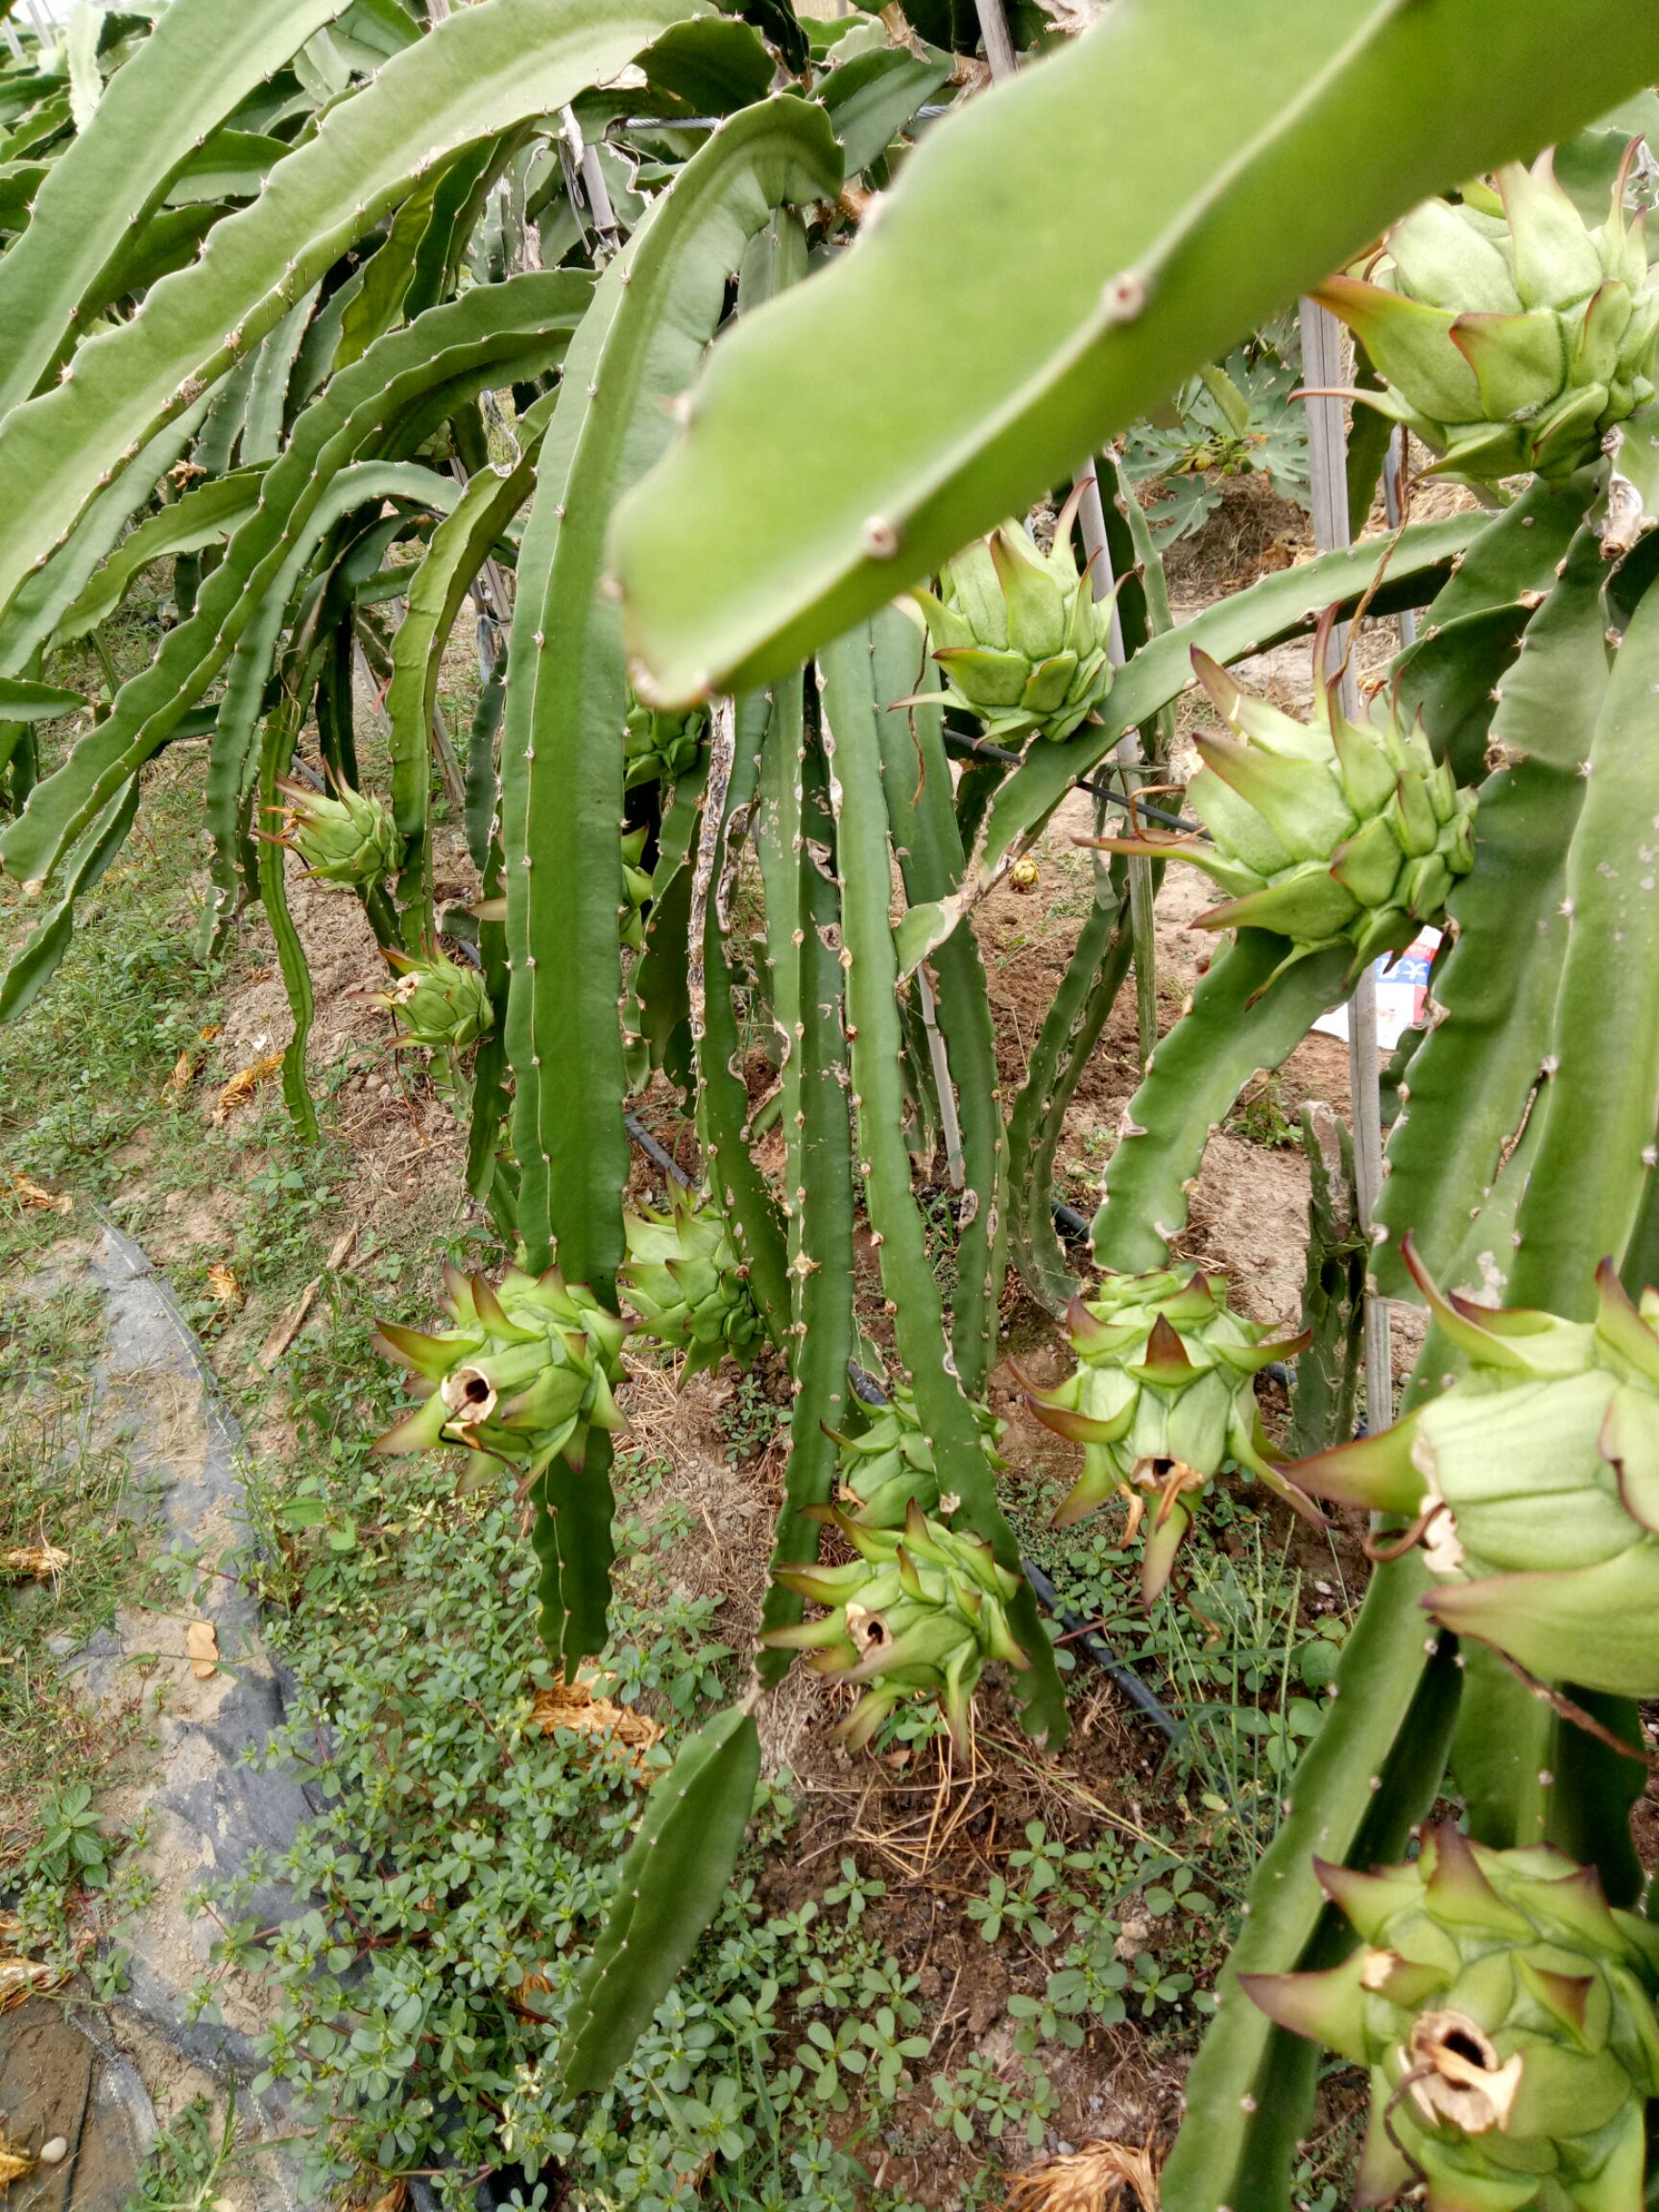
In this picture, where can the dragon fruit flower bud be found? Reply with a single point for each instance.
(1510, 334)
(1506, 2013)
(918, 1613)
(438, 1002)
(891, 1462)
(661, 746)
(684, 1282)
(1532, 1485)
(343, 837)
(1329, 833)
(1162, 1396)
(1024, 645)
(524, 1371)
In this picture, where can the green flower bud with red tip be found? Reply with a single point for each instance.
(344, 837)
(890, 1462)
(524, 1372)
(686, 1283)
(661, 746)
(1023, 642)
(438, 1002)
(920, 1613)
(1532, 1485)
(1510, 336)
(1327, 833)
(1163, 1397)
(1505, 2013)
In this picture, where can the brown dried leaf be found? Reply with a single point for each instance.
(36, 1559)
(183, 1068)
(202, 1650)
(1090, 2179)
(14, 2161)
(21, 1977)
(392, 2199)
(222, 1282)
(573, 1705)
(31, 1195)
(243, 1085)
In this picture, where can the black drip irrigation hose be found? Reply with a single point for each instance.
(656, 1153)
(968, 748)
(1078, 1632)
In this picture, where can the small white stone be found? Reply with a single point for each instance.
(55, 2152)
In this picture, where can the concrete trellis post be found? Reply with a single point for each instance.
(1322, 366)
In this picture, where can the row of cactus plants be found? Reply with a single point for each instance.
(321, 312)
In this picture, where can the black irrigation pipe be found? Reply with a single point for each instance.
(1088, 1638)
(657, 1154)
(968, 748)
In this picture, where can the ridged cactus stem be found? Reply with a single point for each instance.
(916, 780)
(852, 702)
(744, 1194)
(1241, 1018)
(803, 945)
(1142, 889)
(1073, 1028)
(669, 1889)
